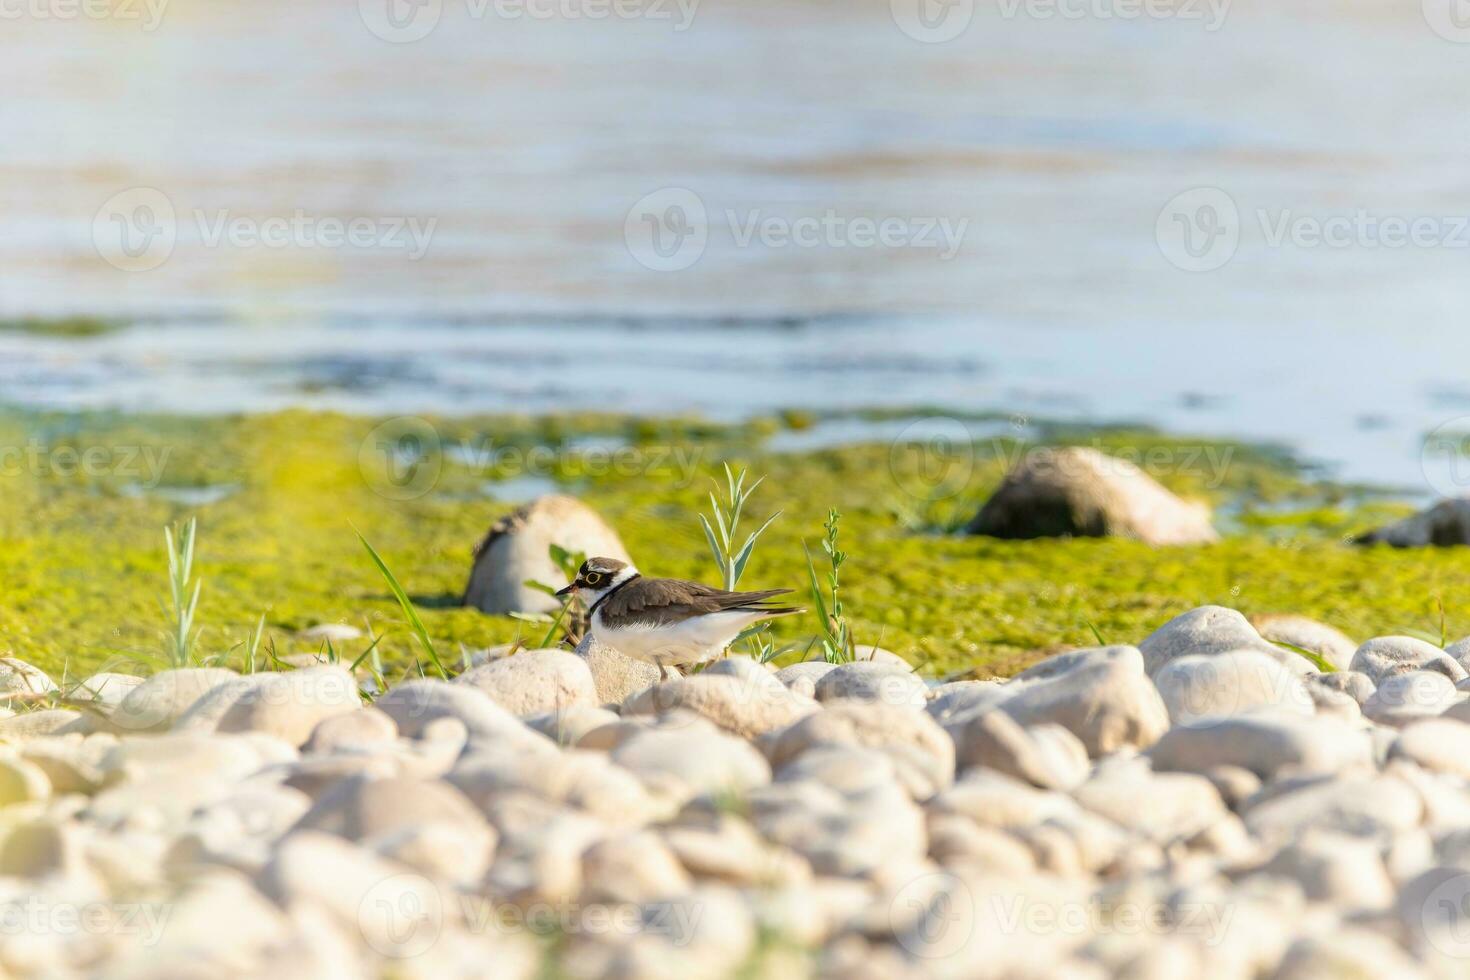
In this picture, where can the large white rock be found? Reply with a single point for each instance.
(1264, 743)
(1208, 630)
(1203, 685)
(414, 705)
(922, 752)
(867, 680)
(517, 549)
(1301, 631)
(532, 682)
(1385, 656)
(1079, 492)
(163, 698)
(1102, 696)
(747, 705)
(21, 681)
(290, 704)
(615, 676)
(1048, 756)
(1404, 698)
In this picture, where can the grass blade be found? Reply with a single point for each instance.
(404, 603)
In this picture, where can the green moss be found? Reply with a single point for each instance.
(82, 564)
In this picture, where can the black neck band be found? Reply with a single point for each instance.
(609, 594)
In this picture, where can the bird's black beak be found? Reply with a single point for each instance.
(568, 590)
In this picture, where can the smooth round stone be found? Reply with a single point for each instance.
(107, 689)
(289, 705)
(363, 807)
(1300, 631)
(1209, 630)
(1358, 686)
(1048, 756)
(615, 676)
(364, 729)
(533, 682)
(1263, 743)
(872, 681)
(1438, 744)
(20, 680)
(1405, 698)
(1387, 656)
(683, 763)
(1102, 696)
(164, 698)
(744, 706)
(22, 781)
(802, 678)
(922, 751)
(1205, 685)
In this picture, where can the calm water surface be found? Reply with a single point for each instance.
(1049, 147)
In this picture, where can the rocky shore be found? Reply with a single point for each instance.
(1204, 804)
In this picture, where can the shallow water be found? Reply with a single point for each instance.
(1054, 143)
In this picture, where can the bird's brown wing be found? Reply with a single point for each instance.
(672, 600)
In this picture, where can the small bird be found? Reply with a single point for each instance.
(666, 621)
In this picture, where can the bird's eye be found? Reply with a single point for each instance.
(593, 577)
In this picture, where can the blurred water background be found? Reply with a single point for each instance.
(522, 146)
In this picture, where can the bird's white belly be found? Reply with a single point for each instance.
(691, 641)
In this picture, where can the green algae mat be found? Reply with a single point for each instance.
(279, 499)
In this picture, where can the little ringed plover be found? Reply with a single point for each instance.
(664, 621)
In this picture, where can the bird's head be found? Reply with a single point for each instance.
(597, 577)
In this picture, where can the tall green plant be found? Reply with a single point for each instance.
(722, 534)
(836, 636)
(180, 634)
